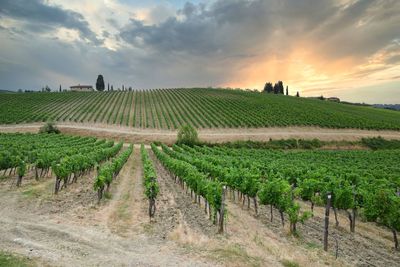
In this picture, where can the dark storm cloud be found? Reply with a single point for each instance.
(257, 26)
(194, 37)
(40, 17)
(360, 29)
(224, 28)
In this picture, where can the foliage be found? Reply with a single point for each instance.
(383, 206)
(21, 170)
(187, 135)
(376, 143)
(295, 216)
(268, 88)
(9, 260)
(274, 144)
(150, 176)
(108, 171)
(49, 127)
(211, 190)
(100, 83)
(42, 150)
(201, 108)
(354, 178)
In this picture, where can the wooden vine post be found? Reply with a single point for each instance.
(328, 206)
(222, 211)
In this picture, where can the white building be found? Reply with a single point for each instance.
(81, 88)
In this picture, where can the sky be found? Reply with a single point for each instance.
(344, 48)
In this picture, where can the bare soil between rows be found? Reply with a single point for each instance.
(71, 229)
(217, 135)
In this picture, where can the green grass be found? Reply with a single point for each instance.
(9, 260)
(32, 192)
(202, 108)
(235, 253)
(107, 195)
(312, 245)
(288, 263)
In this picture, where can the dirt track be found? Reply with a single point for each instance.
(137, 135)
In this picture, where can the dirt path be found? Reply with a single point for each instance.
(71, 230)
(137, 135)
(126, 213)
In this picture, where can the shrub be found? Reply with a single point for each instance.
(309, 144)
(187, 135)
(376, 143)
(49, 127)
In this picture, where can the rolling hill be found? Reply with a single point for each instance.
(202, 108)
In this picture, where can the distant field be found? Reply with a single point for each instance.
(202, 108)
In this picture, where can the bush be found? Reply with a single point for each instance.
(309, 144)
(49, 127)
(273, 144)
(376, 143)
(187, 135)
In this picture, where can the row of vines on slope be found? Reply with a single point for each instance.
(109, 171)
(199, 184)
(69, 168)
(37, 152)
(150, 180)
(277, 178)
(199, 107)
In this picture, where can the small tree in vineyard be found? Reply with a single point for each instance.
(49, 127)
(187, 135)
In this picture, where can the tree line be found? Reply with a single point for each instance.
(277, 88)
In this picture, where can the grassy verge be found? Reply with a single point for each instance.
(10, 260)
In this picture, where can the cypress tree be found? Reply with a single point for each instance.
(280, 88)
(268, 88)
(100, 83)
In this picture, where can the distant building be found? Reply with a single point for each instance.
(81, 88)
(333, 99)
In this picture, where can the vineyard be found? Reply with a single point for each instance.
(202, 108)
(67, 157)
(354, 179)
(225, 194)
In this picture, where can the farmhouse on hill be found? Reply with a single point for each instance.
(333, 99)
(81, 88)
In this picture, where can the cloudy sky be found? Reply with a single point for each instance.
(345, 48)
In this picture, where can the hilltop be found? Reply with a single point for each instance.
(202, 108)
(6, 91)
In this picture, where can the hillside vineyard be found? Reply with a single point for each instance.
(276, 178)
(202, 108)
